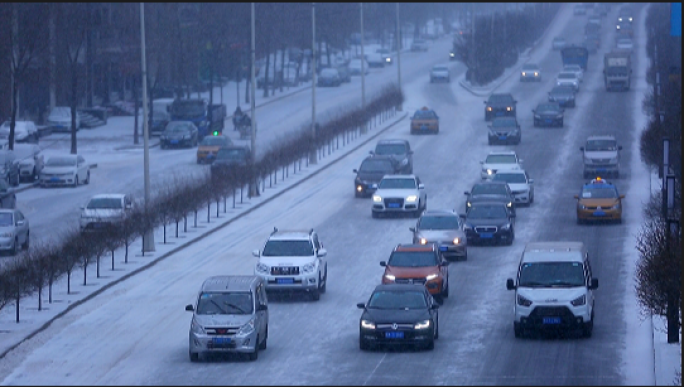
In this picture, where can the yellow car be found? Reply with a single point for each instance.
(425, 121)
(207, 149)
(599, 200)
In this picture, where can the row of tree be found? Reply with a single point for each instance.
(43, 264)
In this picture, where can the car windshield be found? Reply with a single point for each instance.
(530, 67)
(24, 153)
(566, 76)
(501, 159)
(215, 141)
(276, 248)
(390, 149)
(438, 223)
(397, 299)
(187, 109)
(6, 219)
(599, 193)
(503, 122)
(550, 274)
(61, 112)
(397, 184)
(500, 99)
(413, 259)
(61, 162)
(487, 212)
(225, 303)
(562, 90)
(371, 165)
(178, 126)
(231, 154)
(489, 189)
(102, 203)
(510, 177)
(601, 145)
(425, 115)
(546, 107)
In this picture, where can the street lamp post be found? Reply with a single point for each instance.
(148, 239)
(313, 157)
(363, 73)
(254, 191)
(398, 41)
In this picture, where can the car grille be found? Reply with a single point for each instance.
(600, 161)
(390, 326)
(395, 201)
(504, 133)
(285, 270)
(519, 192)
(481, 229)
(221, 331)
(410, 280)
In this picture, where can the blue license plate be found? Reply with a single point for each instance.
(548, 121)
(221, 340)
(486, 235)
(499, 113)
(599, 213)
(394, 335)
(54, 179)
(393, 205)
(285, 280)
(601, 169)
(174, 141)
(551, 320)
(503, 138)
(443, 248)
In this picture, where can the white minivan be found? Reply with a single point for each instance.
(554, 289)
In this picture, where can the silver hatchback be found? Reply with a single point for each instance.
(14, 230)
(443, 228)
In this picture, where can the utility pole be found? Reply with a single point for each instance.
(313, 157)
(148, 239)
(398, 40)
(253, 190)
(364, 129)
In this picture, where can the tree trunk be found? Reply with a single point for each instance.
(13, 119)
(136, 100)
(266, 72)
(74, 86)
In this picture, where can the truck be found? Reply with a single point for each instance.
(617, 69)
(209, 119)
(576, 55)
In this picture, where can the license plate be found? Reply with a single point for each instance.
(503, 138)
(486, 235)
(393, 205)
(499, 113)
(599, 213)
(54, 179)
(221, 340)
(174, 141)
(551, 320)
(443, 248)
(548, 121)
(285, 280)
(394, 335)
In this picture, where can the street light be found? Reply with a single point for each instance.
(148, 238)
(363, 73)
(253, 191)
(398, 42)
(313, 157)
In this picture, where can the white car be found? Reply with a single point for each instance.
(386, 55)
(24, 131)
(14, 230)
(399, 194)
(375, 60)
(65, 170)
(419, 45)
(59, 119)
(499, 161)
(104, 209)
(568, 78)
(625, 43)
(30, 160)
(355, 66)
(293, 261)
(440, 73)
(520, 184)
(577, 69)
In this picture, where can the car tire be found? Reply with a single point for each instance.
(588, 328)
(26, 242)
(517, 330)
(324, 288)
(87, 179)
(437, 328)
(194, 357)
(363, 345)
(512, 238)
(445, 291)
(255, 354)
(431, 345)
(264, 344)
(13, 250)
(75, 182)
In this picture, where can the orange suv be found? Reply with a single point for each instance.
(599, 200)
(418, 264)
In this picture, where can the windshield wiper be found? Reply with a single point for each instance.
(565, 283)
(235, 307)
(531, 284)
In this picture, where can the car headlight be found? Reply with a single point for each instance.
(195, 327)
(469, 204)
(537, 116)
(261, 268)
(390, 277)
(423, 241)
(451, 54)
(422, 325)
(536, 74)
(579, 301)
(365, 324)
(616, 207)
(247, 328)
(489, 108)
(630, 19)
(523, 73)
(506, 226)
(7, 234)
(457, 240)
(404, 162)
(508, 108)
(430, 277)
(523, 301)
(490, 172)
(377, 199)
(411, 198)
(309, 267)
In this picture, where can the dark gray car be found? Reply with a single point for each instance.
(500, 105)
(504, 130)
(444, 228)
(8, 199)
(548, 114)
(179, 133)
(228, 158)
(489, 222)
(490, 191)
(371, 171)
(563, 95)
(400, 150)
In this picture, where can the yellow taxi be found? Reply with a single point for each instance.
(207, 149)
(425, 121)
(599, 200)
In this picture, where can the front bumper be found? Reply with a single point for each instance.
(500, 138)
(593, 213)
(411, 337)
(497, 236)
(364, 188)
(548, 121)
(423, 128)
(551, 317)
(394, 205)
(302, 282)
(206, 157)
(56, 181)
(530, 78)
(522, 197)
(202, 343)
(597, 169)
(92, 224)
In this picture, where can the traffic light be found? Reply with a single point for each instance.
(216, 133)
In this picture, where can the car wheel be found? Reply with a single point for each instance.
(263, 345)
(325, 280)
(75, 182)
(316, 293)
(531, 198)
(26, 242)
(255, 354)
(194, 356)
(87, 179)
(437, 328)
(445, 291)
(431, 345)
(510, 240)
(363, 345)
(517, 330)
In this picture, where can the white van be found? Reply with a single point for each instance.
(554, 288)
(162, 105)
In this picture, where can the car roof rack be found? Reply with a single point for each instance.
(275, 230)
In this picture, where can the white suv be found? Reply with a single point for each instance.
(105, 209)
(293, 260)
(500, 160)
(554, 288)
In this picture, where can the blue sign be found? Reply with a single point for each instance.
(675, 19)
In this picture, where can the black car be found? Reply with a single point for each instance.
(548, 114)
(500, 105)
(489, 222)
(564, 95)
(490, 191)
(400, 150)
(179, 133)
(504, 130)
(10, 167)
(8, 199)
(371, 171)
(398, 315)
(159, 121)
(227, 158)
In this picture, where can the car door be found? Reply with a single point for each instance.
(421, 192)
(588, 276)
(21, 226)
(81, 168)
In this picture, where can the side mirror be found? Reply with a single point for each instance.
(421, 186)
(262, 307)
(361, 305)
(255, 253)
(622, 196)
(383, 263)
(530, 181)
(322, 252)
(189, 308)
(355, 171)
(20, 222)
(412, 229)
(434, 306)
(510, 285)
(594, 283)
(581, 149)
(619, 147)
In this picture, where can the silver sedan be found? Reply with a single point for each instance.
(443, 228)
(14, 230)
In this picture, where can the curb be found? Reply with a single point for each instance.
(193, 241)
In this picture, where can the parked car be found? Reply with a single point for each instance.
(159, 121)
(329, 77)
(65, 170)
(179, 133)
(209, 147)
(419, 45)
(375, 60)
(30, 160)
(105, 209)
(10, 167)
(8, 199)
(355, 66)
(548, 114)
(24, 131)
(14, 230)
(440, 73)
(59, 119)
(386, 55)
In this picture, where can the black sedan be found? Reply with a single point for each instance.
(500, 105)
(489, 222)
(8, 199)
(563, 95)
(398, 315)
(504, 130)
(371, 171)
(490, 191)
(230, 158)
(178, 134)
(548, 114)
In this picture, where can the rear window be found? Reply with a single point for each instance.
(276, 248)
